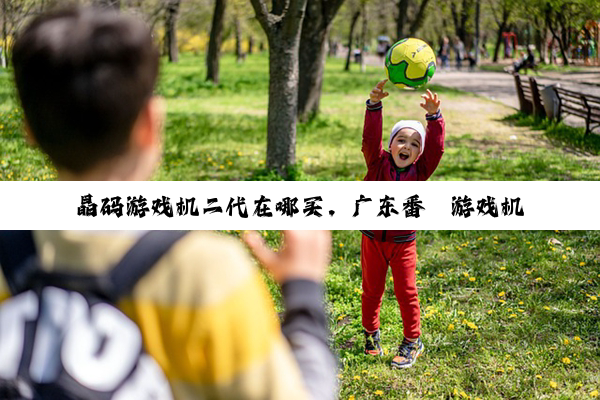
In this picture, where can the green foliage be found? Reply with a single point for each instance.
(219, 132)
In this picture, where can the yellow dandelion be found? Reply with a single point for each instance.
(356, 378)
(593, 298)
(221, 167)
(472, 326)
(566, 341)
(539, 279)
(501, 294)
(490, 311)
(364, 371)
(460, 312)
(451, 327)
(568, 248)
(564, 256)
(472, 279)
(538, 377)
(464, 395)
(480, 238)
(594, 393)
(341, 245)
(351, 397)
(379, 392)
(530, 247)
(391, 279)
(501, 301)
(566, 360)
(520, 310)
(546, 308)
(466, 274)
(239, 153)
(512, 316)
(577, 339)
(441, 275)
(340, 376)
(528, 272)
(502, 268)
(553, 384)
(582, 264)
(500, 370)
(521, 303)
(427, 374)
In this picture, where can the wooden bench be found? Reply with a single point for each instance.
(530, 101)
(580, 105)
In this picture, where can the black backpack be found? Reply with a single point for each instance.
(61, 336)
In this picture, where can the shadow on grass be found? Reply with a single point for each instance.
(472, 160)
(558, 134)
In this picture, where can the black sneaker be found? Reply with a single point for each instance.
(372, 346)
(408, 352)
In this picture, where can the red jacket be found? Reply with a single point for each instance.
(391, 236)
(381, 167)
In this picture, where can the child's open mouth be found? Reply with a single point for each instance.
(403, 157)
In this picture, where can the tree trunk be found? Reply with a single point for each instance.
(499, 41)
(477, 31)
(282, 26)
(214, 43)
(312, 65)
(402, 18)
(283, 102)
(239, 55)
(171, 30)
(4, 55)
(419, 18)
(556, 37)
(350, 38)
(313, 39)
(250, 44)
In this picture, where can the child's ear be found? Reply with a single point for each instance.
(148, 128)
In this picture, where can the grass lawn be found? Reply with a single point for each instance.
(505, 315)
(219, 132)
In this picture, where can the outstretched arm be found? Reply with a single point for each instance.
(434, 140)
(300, 268)
(372, 132)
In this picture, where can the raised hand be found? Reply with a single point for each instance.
(432, 103)
(304, 255)
(377, 93)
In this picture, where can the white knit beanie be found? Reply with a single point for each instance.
(416, 125)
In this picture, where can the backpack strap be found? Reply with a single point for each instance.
(18, 260)
(137, 262)
(17, 249)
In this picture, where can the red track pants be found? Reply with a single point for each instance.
(402, 258)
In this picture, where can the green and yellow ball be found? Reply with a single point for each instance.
(410, 63)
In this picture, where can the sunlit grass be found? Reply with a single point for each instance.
(504, 314)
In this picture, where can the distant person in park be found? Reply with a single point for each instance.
(205, 315)
(459, 51)
(411, 166)
(413, 155)
(526, 61)
(85, 78)
(444, 52)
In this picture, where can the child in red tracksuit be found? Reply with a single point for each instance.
(413, 156)
(414, 153)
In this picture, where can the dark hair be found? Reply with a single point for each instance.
(83, 76)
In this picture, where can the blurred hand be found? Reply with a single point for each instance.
(304, 255)
(432, 103)
(377, 93)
